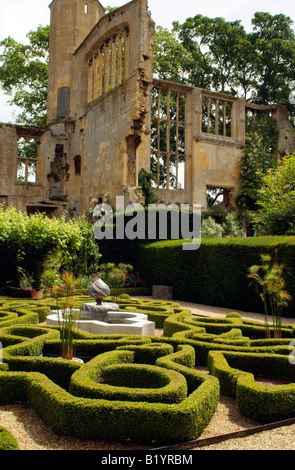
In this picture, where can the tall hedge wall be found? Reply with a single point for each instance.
(118, 250)
(216, 273)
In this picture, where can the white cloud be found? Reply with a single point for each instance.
(7, 112)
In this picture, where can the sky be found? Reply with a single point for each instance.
(18, 17)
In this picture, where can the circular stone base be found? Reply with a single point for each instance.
(127, 323)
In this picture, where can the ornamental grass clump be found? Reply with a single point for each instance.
(66, 315)
(270, 285)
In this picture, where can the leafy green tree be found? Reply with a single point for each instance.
(220, 55)
(259, 156)
(24, 75)
(215, 47)
(276, 203)
(169, 56)
(273, 39)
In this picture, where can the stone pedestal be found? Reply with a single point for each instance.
(162, 292)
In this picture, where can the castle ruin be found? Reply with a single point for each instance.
(108, 117)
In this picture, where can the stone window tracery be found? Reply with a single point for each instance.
(108, 65)
(216, 115)
(168, 137)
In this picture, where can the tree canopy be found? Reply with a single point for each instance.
(222, 56)
(274, 41)
(24, 75)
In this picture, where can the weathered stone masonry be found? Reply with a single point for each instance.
(108, 118)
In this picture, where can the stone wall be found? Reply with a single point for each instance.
(213, 147)
(102, 121)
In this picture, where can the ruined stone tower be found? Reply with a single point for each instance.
(100, 78)
(70, 23)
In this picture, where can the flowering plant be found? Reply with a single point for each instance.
(26, 283)
(134, 280)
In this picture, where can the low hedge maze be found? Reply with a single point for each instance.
(144, 388)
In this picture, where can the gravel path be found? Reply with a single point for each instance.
(33, 434)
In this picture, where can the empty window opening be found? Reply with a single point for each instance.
(168, 138)
(85, 8)
(27, 160)
(217, 196)
(77, 163)
(108, 65)
(216, 116)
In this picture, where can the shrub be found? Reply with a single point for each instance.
(148, 353)
(227, 334)
(110, 419)
(110, 376)
(216, 273)
(144, 388)
(7, 440)
(235, 372)
(211, 229)
(31, 238)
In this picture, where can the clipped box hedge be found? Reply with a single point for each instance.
(216, 273)
(148, 352)
(115, 420)
(107, 419)
(164, 398)
(227, 334)
(7, 440)
(236, 373)
(22, 316)
(89, 345)
(162, 402)
(113, 376)
(157, 312)
(26, 340)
